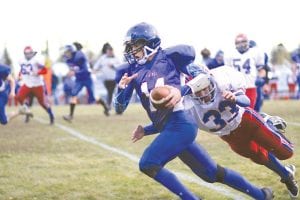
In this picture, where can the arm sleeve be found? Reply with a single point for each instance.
(194, 70)
(42, 71)
(242, 100)
(122, 98)
(150, 129)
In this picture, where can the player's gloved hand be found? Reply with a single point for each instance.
(125, 80)
(138, 133)
(173, 98)
(229, 96)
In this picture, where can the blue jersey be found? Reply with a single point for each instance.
(164, 69)
(80, 65)
(4, 72)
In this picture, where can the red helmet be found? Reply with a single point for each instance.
(28, 52)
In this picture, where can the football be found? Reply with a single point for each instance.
(158, 96)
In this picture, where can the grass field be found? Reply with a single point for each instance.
(39, 161)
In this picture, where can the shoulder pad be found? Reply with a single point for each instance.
(181, 55)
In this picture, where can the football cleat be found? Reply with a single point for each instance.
(68, 118)
(290, 182)
(51, 120)
(106, 112)
(27, 117)
(269, 194)
(276, 121)
(23, 110)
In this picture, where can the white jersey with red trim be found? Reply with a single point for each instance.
(221, 116)
(29, 72)
(248, 63)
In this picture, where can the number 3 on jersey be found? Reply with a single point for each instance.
(217, 115)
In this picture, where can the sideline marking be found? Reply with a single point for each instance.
(135, 159)
(293, 123)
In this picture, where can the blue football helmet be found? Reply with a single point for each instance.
(68, 51)
(144, 38)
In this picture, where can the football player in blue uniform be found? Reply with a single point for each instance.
(79, 66)
(149, 67)
(7, 91)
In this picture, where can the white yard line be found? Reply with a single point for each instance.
(293, 123)
(135, 159)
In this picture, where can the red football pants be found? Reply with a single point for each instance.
(38, 92)
(254, 139)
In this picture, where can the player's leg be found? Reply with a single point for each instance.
(268, 137)
(3, 102)
(99, 101)
(252, 95)
(28, 102)
(202, 164)
(73, 101)
(259, 146)
(278, 147)
(259, 98)
(89, 87)
(39, 93)
(175, 137)
(23, 93)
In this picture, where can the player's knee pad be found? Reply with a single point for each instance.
(210, 175)
(149, 169)
(220, 175)
(260, 159)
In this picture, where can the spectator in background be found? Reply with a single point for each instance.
(296, 67)
(282, 69)
(54, 83)
(217, 61)
(205, 53)
(107, 65)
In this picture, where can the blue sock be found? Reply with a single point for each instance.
(275, 165)
(170, 181)
(49, 111)
(238, 182)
